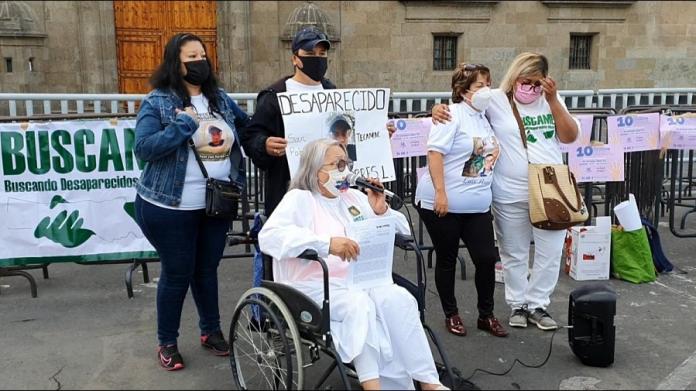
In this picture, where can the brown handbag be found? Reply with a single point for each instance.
(555, 202)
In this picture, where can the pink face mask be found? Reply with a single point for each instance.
(527, 93)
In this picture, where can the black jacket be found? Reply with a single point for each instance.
(268, 122)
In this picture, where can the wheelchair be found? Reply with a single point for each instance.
(277, 332)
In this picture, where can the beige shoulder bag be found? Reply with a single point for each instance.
(555, 202)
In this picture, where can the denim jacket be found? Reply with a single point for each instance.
(161, 140)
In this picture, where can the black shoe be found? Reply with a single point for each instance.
(169, 358)
(216, 343)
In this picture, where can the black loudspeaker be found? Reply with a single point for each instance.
(591, 310)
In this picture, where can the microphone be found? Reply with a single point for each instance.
(356, 180)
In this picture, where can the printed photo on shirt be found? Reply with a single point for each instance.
(483, 157)
(213, 139)
(340, 128)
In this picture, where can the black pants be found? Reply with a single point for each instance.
(476, 230)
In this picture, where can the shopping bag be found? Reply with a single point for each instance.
(631, 259)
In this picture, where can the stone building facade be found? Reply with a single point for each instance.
(70, 46)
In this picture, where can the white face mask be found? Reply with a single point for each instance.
(481, 99)
(337, 181)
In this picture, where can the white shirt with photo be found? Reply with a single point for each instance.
(470, 150)
(214, 140)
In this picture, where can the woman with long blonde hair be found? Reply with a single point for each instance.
(527, 87)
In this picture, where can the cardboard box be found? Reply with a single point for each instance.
(588, 251)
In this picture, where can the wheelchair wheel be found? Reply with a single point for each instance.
(265, 354)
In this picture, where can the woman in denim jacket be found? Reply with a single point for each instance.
(186, 107)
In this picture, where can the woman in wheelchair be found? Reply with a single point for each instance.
(378, 329)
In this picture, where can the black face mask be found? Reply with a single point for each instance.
(197, 72)
(314, 67)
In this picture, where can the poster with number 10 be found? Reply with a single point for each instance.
(584, 135)
(678, 132)
(635, 132)
(597, 163)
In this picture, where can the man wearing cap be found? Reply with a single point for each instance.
(264, 138)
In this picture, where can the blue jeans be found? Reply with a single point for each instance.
(190, 245)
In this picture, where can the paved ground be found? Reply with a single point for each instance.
(82, 332)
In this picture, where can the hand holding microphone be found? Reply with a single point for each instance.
(376, 193)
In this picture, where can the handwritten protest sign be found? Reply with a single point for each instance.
(635, 132)
(411, 137)
(597, 163)
(678, 132)
(355, 117)
(584, 135)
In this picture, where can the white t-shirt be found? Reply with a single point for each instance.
(295, 86)
(470, 151)
(214, 140)
(510, 181)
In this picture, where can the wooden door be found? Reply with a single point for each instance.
(143, 29)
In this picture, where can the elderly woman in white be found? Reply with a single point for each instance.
(378, 329)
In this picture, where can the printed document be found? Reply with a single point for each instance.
(376, 240)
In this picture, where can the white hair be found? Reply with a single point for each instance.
(311, 161)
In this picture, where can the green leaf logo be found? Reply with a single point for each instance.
(129, 207)
(64, 230)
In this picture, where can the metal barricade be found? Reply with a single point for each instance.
(679, 174)
(595, 193)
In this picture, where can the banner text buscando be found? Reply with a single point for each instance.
(62, 152)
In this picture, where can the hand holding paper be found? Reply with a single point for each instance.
(374, 264)
(344, 248)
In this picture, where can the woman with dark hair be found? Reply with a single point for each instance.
(527, 89)
(170, 205)
(454, 200)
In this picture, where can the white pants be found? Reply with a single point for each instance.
(395, 349)
(514, 233)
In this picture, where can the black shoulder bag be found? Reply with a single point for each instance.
(221, 197)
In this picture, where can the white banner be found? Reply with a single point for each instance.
(359, 114)
(67, 192)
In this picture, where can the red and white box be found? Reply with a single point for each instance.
(588, 251)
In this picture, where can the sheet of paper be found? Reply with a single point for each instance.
(376, 240)
(411, 137)
(678, 132)
(597, 163)
(635, 132)
(586, 122)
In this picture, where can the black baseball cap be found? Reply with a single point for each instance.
(308, 38)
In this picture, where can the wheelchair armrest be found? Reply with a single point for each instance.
(404, 242)
(238, 239)
(312, 255)
(309, 254)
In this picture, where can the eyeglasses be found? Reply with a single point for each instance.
(528, 87)
(341, 164)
